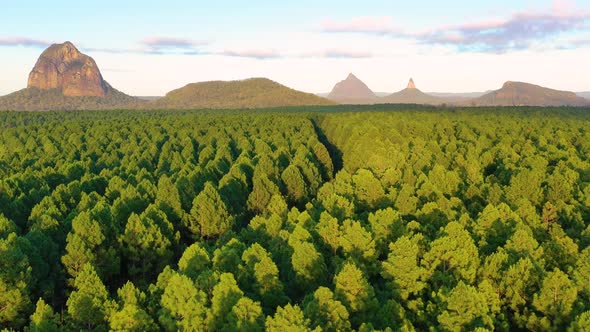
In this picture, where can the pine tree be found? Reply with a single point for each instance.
(209, 216)
(326, 312)
(44, 319)
(88, 304)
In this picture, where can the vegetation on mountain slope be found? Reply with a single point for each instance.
(249, 93)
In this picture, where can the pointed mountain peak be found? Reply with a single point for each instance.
(411, 84)
(351, 88)
(351, 77)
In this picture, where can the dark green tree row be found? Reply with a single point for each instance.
(196, 220)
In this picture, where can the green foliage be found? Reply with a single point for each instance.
(326, 312)
(44, 319)
(466, 309)
(209, 216)
(250, 93)
(289, 319)
(88, 305)
(295, 219)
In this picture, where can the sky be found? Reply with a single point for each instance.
(147, 48)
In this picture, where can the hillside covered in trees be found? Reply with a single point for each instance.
(33, 99)
(249, 93)
(295, 220)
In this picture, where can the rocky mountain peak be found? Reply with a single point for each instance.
(64, 67)
(351, 88)
(411, 84)
(351, 77)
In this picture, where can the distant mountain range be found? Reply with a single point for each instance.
(511, 94)
(63, 78)
(66, 79)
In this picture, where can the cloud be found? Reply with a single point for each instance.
(345, 54)
(109, 50)
(158, 46)
(169, 45)
(337, 54)
(254, 54)
(23, 41)
(520, 31)
(381, 25)
(573, 44)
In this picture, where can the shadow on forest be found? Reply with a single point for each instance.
(335, 153)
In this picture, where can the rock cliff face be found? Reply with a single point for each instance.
(411, 84)
(63, 67)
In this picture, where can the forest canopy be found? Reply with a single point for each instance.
(341, 218)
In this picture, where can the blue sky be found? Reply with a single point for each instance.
(149, 48)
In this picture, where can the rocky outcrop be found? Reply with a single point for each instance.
(412, 95)
(63, 67)
(351, 90)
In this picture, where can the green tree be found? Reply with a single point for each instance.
(288, 319)
(246, 315)
(194, 260)
(386, 226)
(556, 298)
(367, 189)
(88, 305)
(209, 216)
(328, 229)
(263, 277)
(353, 289)
(466, 309)
(262, 191)
(182, 305)
(326, 312)
(452, 256)
(15, 279)
(129, 314)
(43, 319)
(88, 243)
(403, 267)
(294, 184)
(146, 247)
(581, 324)
(357, 242)
(308, 265)
(581, 273)
(226, 294)
(168, 199)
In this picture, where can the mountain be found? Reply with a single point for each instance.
(584, 94)
(64, 78)
(62, 66)
(352, 91)
(34, 99)
(412, 95)
(249, 93)
(525, 94)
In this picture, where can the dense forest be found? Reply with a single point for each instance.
(315, 219)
